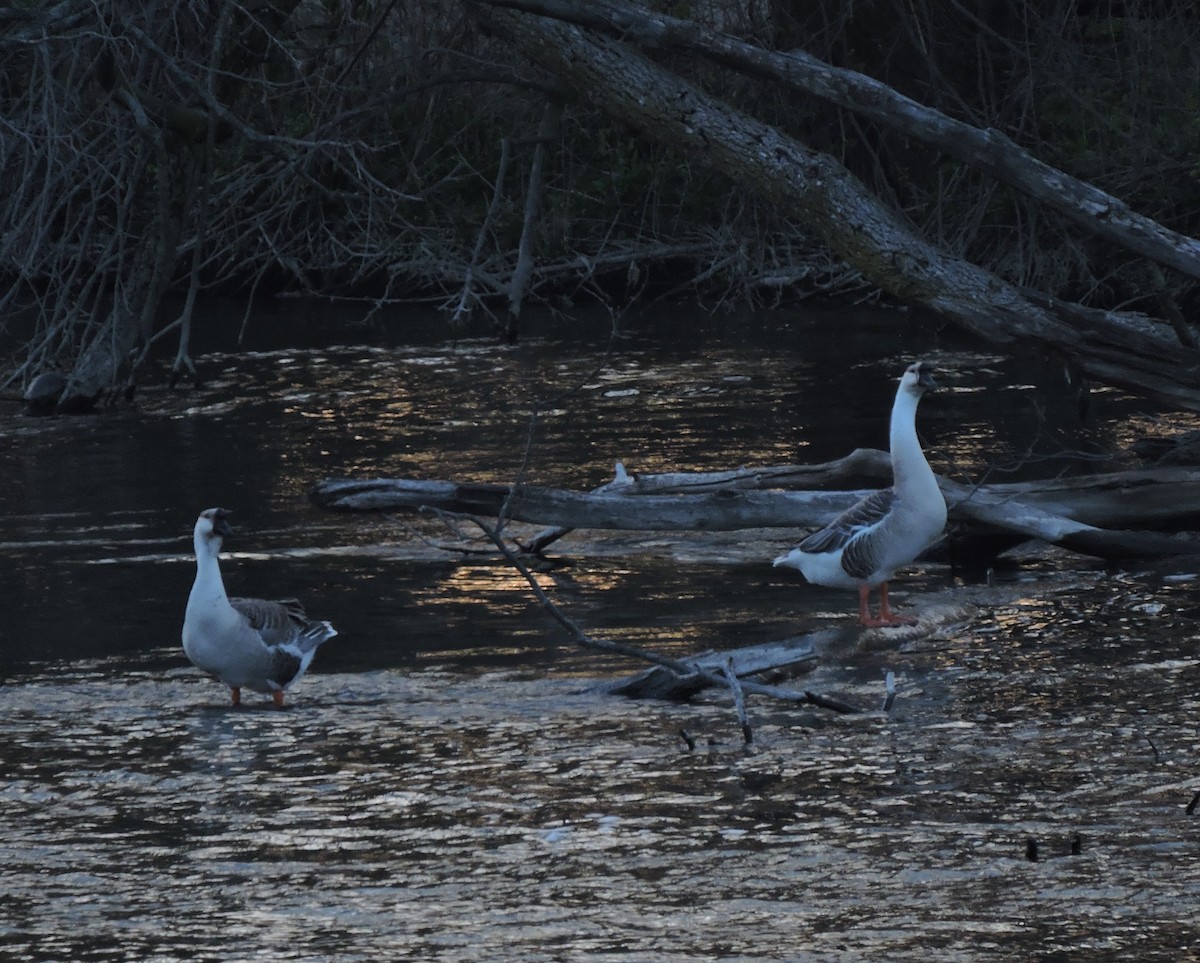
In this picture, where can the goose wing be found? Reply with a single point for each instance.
(287, 664)
(285, 630)
(849, 527)
(276, 623)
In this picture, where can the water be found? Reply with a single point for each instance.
(448, 785)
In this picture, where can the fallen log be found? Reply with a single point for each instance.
(724, 510)
(1166, 497)
(987, 150)
(828, 202)
(1021, 516)
(1105, 515)
(862, 466)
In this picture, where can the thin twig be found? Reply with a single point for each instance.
(585, 640)
(890, 686)
(739, 700)
(1153, 747)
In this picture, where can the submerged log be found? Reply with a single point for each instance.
(683, 670)
(1101, 515)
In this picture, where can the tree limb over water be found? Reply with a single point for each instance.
(1120, 348)
(1098, 515)
(988, 150)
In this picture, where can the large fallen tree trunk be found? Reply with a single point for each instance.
(1123, 349)
(1092, 515)
(990, 151)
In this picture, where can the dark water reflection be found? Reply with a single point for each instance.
(445, 786)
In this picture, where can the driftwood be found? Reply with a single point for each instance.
(724, 510)
(1022, 516)
(1103, 515)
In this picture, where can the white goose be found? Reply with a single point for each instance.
(246, 643)
(865, 545)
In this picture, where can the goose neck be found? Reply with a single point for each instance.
(907, 458)
(208, 569)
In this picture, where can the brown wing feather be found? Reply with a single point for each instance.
(276, 622)
(859, 558)
(863, 514)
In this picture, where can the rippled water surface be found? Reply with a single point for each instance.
(449, 783)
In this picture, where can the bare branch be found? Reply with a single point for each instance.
(683, 669)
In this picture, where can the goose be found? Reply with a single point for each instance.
(863, 546)
(245, 643)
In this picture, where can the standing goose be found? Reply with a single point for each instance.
(865, 544)
(246, 643)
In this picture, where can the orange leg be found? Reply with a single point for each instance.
(235, 694)
(864, 606)
(886, 615)
(277, 695)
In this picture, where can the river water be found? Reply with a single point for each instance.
(448, 783)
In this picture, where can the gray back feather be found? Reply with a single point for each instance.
(277, 622)
(849, 526)
(852, 532)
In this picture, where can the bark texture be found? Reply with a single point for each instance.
(1113, 516)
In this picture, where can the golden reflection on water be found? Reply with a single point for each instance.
(464, 414)
(498, 398)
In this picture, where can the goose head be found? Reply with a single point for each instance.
(918, 378)
(211, 527)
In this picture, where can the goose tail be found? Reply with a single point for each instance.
(788, 559)
(313, 635)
